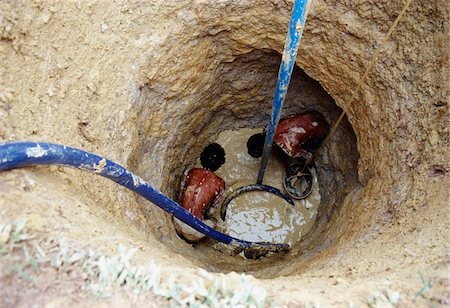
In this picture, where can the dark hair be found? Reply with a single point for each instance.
(255, 145)
(212, 157)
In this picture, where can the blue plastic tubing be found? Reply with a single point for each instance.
(22, 154)
(294, 35)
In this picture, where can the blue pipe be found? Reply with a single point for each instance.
(22, 154)
(294, 35)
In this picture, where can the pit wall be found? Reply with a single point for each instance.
(116, 79)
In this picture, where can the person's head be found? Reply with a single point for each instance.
(212, 156)
(255, 145)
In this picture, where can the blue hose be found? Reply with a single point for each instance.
(22, 154)
(294, 35)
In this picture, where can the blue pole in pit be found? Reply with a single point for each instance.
(294, 35)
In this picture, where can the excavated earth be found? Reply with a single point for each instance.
(149, 83)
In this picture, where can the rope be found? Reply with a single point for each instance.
(366, 72)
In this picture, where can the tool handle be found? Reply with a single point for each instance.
(294, 35)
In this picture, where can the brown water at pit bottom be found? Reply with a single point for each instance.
(261, 216)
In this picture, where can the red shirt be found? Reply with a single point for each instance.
(294, 130)
(202, 189)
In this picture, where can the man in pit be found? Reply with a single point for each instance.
(296, 137)
(202, 190)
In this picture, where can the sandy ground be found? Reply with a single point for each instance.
(149, 83)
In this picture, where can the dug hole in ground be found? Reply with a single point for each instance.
(149, 83)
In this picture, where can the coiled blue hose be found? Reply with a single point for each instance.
(22, 154)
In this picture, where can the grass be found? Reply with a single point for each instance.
(391, 299)
(15, 252)
(426, 290)
(25, 255)
(387, 298)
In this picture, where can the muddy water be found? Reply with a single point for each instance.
(260, 216)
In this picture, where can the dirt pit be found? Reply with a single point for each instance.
(260, 216)
(149, 84)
